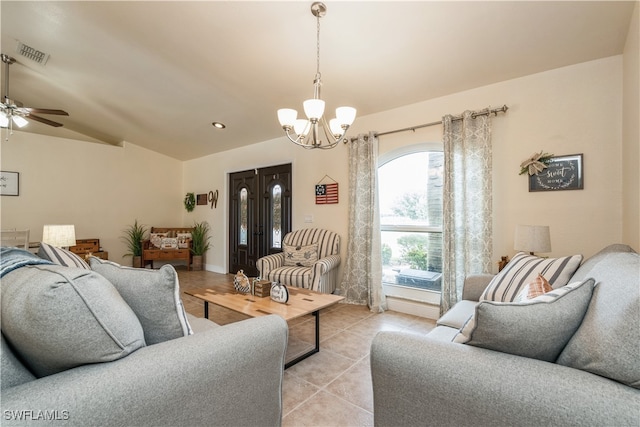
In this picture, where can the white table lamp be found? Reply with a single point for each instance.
(59, 235)
(532, 238)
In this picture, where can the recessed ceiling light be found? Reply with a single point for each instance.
(218, 125)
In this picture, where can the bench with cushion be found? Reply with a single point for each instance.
(167, 244)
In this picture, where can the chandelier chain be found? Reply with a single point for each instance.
(318, 45)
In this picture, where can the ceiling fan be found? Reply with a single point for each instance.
(13, 112)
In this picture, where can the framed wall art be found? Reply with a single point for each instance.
(562, 173)
(9, 183)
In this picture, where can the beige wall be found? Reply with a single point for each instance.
(631, 134)
(577, 109)
(570, 110)
(101, 189)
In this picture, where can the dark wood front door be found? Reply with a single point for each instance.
(259, 215)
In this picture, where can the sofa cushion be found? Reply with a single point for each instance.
(154, 295)
(299, 277)
(538, 328)
(12, 372)
(523, 269)
(57, 318)
(458, 315)
(300, 256)
(61, 256)
(607, 342)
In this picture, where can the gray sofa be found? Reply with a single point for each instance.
(594, 381)
(198, 373)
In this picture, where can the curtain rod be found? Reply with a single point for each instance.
(484, 112)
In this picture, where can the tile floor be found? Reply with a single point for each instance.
(332, 387)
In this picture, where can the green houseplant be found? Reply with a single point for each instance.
(199, 243)
(133, 237)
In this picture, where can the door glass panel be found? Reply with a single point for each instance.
(243, 216)
(276, 215)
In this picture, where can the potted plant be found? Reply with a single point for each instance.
(133, 237)
(199, 243)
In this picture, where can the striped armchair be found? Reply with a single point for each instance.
(319, 276)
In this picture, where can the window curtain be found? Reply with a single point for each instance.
(362, 280)
(467, 205)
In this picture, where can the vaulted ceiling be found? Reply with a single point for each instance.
(157, 74)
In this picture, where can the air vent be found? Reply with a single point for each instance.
(32, 53)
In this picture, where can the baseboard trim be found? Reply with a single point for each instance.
(430, 311)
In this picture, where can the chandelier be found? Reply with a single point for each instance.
(306, 133)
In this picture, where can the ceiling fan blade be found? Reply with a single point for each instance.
(43, 120)
(46, 111)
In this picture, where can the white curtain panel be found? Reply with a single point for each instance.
(362, 280)
(467, 210)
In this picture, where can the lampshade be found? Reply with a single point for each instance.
(19, 121)
(346, 115)
(302, 126)
(59, 235)
(313, 108)
(4, 121)
(532, 238)
(287, 116)
(335, 127)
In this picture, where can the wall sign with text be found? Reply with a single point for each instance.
(562, 173)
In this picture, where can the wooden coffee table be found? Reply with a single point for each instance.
(301, 302)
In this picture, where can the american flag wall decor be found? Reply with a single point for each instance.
(327, 194)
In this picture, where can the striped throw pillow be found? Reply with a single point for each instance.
(61, 256)
(523, 269)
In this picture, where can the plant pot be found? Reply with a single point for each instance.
(196, 262)
(136, 261)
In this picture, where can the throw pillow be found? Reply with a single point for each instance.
(539, 286)
(57, 318)
(523, 269)
(169, 243)
(607, 342)
(154, 295)
(183, 240)
(538, 328)
(300, 256)
(61, 256)
(156, 239)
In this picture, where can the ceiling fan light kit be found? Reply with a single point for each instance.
(13, 113)
(306, 132)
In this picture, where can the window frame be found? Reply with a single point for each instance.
(394, 290)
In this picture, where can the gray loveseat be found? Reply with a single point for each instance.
(167, 374)
(593, 381)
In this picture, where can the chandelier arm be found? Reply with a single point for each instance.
(298, 141)
(331, 137)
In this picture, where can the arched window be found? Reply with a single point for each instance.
(410, 188)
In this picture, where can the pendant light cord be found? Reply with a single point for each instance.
(318, 45)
